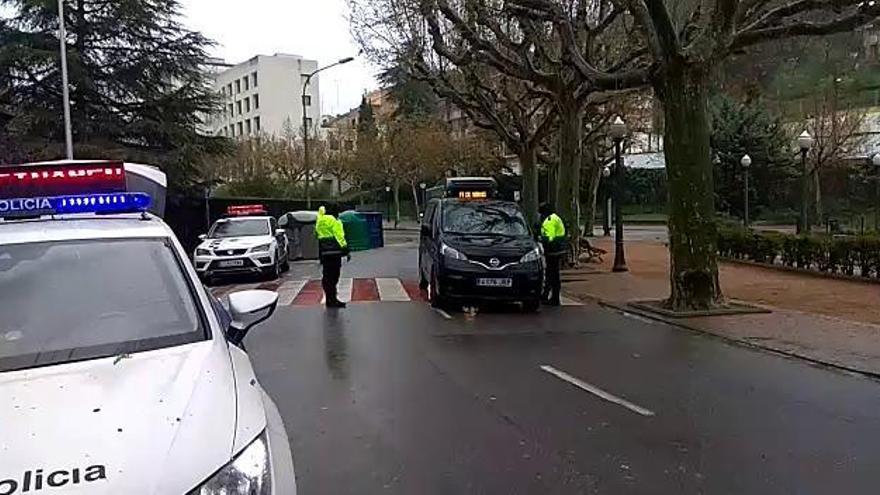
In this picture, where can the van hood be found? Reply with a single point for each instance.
(485, 245)
(153, 422)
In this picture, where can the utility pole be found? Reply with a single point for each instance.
(65, 90)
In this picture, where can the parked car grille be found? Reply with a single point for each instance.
(229, 252)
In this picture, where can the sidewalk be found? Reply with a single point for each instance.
(830, 321)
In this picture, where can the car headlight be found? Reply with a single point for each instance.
(533, 255)
(203, 252)
(452, 253)
(249, 473)
(262, 248)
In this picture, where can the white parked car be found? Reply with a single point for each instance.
(119, 372)
(242, 245)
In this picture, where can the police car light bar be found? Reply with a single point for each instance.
(74, 204)
(53, 180)
(245, 210)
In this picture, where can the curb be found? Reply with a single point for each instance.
(625, 308)
(802, 271)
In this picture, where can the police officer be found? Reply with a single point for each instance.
(555, 248)
(332, 246)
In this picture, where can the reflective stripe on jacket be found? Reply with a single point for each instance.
(330, 234)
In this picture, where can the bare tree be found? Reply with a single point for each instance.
(687, 40)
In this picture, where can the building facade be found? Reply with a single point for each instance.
(263, 96)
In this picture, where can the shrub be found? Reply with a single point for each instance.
(829, 254)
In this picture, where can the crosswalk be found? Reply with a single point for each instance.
(308, 292)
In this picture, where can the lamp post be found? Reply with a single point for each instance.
(388, 201)
(618, 132)
(306, 99)
(805, 142)
(875, 160)
(65, 89)
(423, 187)
(746, 162)
(606, 212)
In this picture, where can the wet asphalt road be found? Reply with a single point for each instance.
(396, 398)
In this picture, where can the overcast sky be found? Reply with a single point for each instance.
(315, 29)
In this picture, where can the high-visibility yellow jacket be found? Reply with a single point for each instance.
(330, 233)
(553, 228)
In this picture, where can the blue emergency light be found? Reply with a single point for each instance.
(37, 190)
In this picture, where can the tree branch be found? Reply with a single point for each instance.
(866, 13)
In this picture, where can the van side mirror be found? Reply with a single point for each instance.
(203, 237)
(249, 308)
(426, 231)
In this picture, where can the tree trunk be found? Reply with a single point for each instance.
(692, 230)
(592, 173)
(567, 180)
(415, 193)
(527, 162)
(817, 195)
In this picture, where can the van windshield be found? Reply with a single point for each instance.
(482, 218)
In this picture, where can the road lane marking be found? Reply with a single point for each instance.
(567, 301)
(391, 290)
(598, 392)
(443, 313)
(364, 290)
(343, 291)
(289, 290)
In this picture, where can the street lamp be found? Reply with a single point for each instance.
(305, 118)
(65, 85)
(388, 201)
(805, 142)
(606, 213)
(618, 132)
(875, 160)
(746, 162)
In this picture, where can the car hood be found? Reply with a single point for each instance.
(490, 245)
(236, 242)
(154, 422)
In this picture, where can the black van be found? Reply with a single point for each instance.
(479, 250)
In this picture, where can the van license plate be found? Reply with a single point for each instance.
(231, 263)
(495, 282)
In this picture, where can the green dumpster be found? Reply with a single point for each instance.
(357, 232)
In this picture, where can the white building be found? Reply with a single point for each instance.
(263, 95)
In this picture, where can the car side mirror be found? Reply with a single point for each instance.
(203, 237)
(248, 308)
(280, 231)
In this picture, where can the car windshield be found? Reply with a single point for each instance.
(240, 228)
(71, 301)
(484, 219)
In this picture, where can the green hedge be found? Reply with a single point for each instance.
(842, 255)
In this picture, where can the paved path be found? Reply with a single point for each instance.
(394, 397)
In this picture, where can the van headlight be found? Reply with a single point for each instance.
(203, 252)
(262, 248)
(533, 255)
(452, 253)
(248, 473)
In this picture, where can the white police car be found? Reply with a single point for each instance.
(242, 245)
(119, 373)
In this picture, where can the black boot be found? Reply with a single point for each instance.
(336, 304)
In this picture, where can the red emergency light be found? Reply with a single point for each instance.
(244, 210)
(38, 180)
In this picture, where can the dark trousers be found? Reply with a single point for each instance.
(332, 267)
(554, 283)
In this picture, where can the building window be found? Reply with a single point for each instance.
(308, 122)
(238, 107)
(247, 127)
(256, 102)
(223, 92)
(237, 86)
(232, 130)
(247, 83)
(231, 112)
(247, 105)
(254, 79)
(240, 129)
(257, 124)
(307, 100)
(229, 89)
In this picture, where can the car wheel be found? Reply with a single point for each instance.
(531, 305)
(275, 271)
(435, 298)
